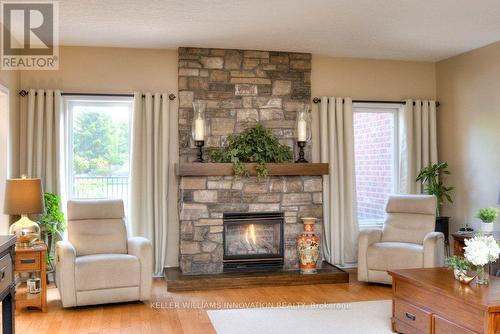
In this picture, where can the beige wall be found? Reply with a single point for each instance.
(108, 70)
(468, 87)
(115, 70)
(9, 135)
(369, 79)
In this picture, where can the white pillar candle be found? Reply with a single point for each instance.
(199, 129)
(302, 130)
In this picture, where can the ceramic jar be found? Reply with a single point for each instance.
(308, 247)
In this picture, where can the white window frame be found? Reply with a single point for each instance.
(394, 109)
(68, 102)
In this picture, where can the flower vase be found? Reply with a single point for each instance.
(483, 275)
(308, 247)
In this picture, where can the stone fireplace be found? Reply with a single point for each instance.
(242, 88)
(205, 200)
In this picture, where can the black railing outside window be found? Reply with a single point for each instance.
(93, 187)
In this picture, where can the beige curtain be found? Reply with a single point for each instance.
(339, 187)
(42, 139)
(418, 142)
(153, 187)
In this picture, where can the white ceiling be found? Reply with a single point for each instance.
(425, 30)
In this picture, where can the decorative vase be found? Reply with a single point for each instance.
(463, 276)
(308, 247)
(487, 227)
(483, 276)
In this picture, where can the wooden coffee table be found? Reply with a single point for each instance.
(431, 301)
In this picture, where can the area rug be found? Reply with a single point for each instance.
(349, 318)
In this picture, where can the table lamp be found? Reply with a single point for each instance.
(22, 197)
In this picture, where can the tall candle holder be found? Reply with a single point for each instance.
(302, 130)
(200, 129)
(301, 145)
(199, 144)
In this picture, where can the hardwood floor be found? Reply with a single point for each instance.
(183, 312)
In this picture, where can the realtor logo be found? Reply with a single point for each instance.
(30, 36)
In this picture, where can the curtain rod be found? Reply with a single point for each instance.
(23, 93)
(318, 100)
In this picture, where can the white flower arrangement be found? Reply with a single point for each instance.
(481, 250)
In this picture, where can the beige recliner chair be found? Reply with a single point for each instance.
(98, 264)
(407, 239)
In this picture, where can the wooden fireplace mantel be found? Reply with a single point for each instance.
(274, 169)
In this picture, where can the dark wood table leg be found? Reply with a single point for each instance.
(8, 312)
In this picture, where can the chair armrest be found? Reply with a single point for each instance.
(366, 238)
(143, 250)
(434, 250)
(65, 272)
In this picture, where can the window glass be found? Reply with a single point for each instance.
(375, 148)
(99, 133)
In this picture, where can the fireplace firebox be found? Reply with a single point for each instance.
(253, 241)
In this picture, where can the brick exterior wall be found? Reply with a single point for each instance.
(373, 133)
(241, 88)
(203, 200)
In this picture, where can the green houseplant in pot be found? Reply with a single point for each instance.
(431, 178)
(488, 216)
(52, 225)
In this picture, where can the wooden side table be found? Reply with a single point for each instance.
(32, 260)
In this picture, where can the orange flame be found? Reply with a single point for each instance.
(250, 237)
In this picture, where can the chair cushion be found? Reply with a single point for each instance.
(97, 227)
(394, 255)
(95, 209)
(407, 227)
(106, 271)
(98, 236)
(419, 204)
(409, 218)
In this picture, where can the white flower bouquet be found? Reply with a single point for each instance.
(480, 251)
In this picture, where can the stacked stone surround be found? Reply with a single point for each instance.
(241, 88)
(203, 200)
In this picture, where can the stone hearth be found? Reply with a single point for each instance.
(203, 200)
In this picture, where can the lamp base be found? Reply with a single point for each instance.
(26, 232)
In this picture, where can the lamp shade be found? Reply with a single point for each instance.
(23, 196)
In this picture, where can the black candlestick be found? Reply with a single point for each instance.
(301, 145)
(199, 144)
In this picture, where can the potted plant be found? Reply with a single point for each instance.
(461, 268)
(52, 225)
(258, 145)
(433, 185)
(488, 217)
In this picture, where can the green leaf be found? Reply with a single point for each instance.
(430, 177)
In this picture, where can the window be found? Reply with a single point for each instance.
(376, 159)
(98, 147)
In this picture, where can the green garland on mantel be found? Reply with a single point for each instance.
(258, 145)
